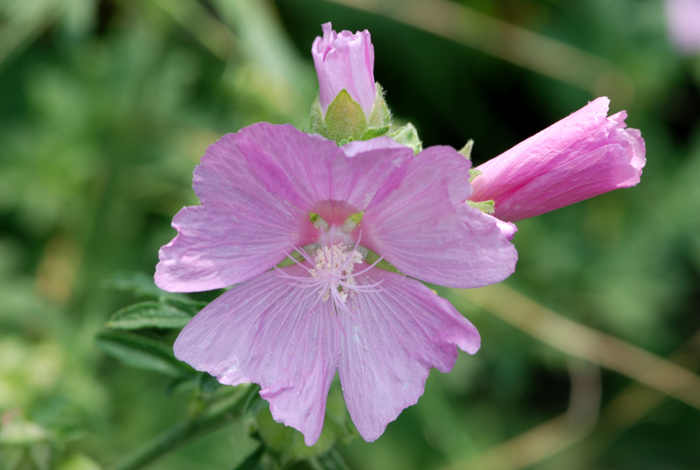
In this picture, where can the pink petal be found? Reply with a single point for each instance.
(274, 334)
(391, 339)
(425, 229)
(240, 230)
(581, 156)
(314, 174)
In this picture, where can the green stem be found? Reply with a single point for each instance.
(215, 416)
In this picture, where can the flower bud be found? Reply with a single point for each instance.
(585, 154)
(345, 61)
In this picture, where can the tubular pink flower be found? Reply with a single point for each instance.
(581, 156)
(268, 191)
(345, 61)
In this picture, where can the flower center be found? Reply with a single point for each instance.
(334, 267)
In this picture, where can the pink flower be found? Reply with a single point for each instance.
(270, 190)
(345, 61)
(581, 156)
(683, 20)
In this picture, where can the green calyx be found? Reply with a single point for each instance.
(473, 173)
(487, 207)
(467, 149)
(345, 121)
(407, 135)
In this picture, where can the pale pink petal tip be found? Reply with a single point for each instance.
(284, 341)
(397, 335)
(581, 156)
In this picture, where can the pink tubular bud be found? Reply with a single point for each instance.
(581, 156)
(345, 61)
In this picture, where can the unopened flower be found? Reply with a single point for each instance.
(581, 156)
(271, 193)
(345, 61)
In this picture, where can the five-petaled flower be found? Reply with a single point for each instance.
(269, 193)
(583, 155)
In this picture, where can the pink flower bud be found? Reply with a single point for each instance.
(345, 61)
(581, 156)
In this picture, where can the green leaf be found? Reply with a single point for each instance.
(149, 315)
(142, 352)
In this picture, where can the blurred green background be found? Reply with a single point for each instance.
(107, 106)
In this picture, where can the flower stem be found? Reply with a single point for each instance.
(216, 415)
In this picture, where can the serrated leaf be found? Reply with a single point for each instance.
(149, 315)
(144, 353)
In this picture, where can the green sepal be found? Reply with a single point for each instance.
(467, 149)
(407, 135)
(317, 126)
(487, 207)
(379, 121)
(473, 173)
(344, 121)
(372, 257)
(352, 221)
(288, 261)
(373, 132)
(149, 315)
